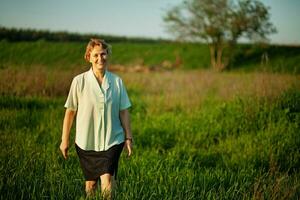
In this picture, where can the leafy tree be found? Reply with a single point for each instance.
(220, 23)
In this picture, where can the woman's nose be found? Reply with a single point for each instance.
(99, 57)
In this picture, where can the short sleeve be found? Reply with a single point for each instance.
(124, 100)
(72, 100)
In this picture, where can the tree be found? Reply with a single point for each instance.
(220, 23)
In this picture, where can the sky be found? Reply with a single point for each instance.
(132, 18)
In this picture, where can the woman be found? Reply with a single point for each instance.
(100, 100)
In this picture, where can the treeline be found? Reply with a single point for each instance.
(17, 35)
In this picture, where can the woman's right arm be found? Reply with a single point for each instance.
(67, 124)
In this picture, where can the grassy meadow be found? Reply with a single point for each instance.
(155, 55)
(69, 55)
(198, 134)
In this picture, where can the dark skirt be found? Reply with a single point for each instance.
(96, 163)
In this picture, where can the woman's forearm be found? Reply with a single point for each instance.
(67, 124)
(125, 120)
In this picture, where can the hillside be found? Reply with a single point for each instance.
(30, 48)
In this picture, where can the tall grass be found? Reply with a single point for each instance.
(179, 87)
(198, 135)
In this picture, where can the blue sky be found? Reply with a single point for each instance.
(142, 18)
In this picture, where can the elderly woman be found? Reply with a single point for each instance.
(100, 100)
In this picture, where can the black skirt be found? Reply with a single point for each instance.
(96, 163)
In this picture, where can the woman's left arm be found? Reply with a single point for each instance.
(125, 120)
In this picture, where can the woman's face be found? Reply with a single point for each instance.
(98, 58)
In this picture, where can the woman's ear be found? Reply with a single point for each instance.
(89, 58)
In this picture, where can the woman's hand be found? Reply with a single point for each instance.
(68, 120)
(128, 146)
(125, 120)
(64, 147)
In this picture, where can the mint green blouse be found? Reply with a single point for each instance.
(98, 124)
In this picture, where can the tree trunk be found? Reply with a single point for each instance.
(216, 53)
(220, 66)
(212, 56)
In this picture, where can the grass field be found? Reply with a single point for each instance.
(198, 135)
(169, 55)
(69, 55)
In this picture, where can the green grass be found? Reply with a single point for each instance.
(244, 148)
(42, 54)
(198, 134)
(280, 58)
(69, 55)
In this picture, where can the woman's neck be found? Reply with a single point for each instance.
(99, 74)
